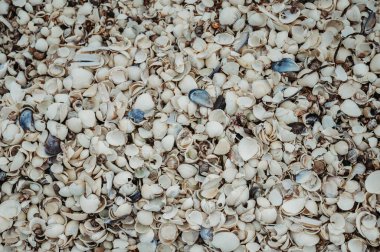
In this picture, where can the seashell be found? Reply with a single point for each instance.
(369, 22)
(26, 119)
(229, 15)
(10, 209)
(116, 138)
(248, 148)
(136, 115)
(144, 102)
(225, 241)
(167, 233)
(341, 148)
(54, 230)
(294, 206)
(145, 217)
(285, 65)
(224, 39)
(81, 78)
(257, 19)
(261, 88)
(52, 146)
(289, 15)
(206, 234)
(374, 65)
(41, 45)
(90, 204)
(214, 129)
(201, 97)
(305, 239)
(88, 118)
(371, 182)
(187, 171)
(135, 197)
(223, 147)
(350, 108)
(345, 201)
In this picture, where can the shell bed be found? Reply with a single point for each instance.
(189, 125)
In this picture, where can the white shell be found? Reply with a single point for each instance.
(116, 138)
(88, 118)
(214, 129)
(372, 184)
(350, 108)
(81, 78)
(224, 39)
(225, 241)
(248, 148)
(144, 102)
(187, 171)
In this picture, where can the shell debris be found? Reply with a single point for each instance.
(189, 125)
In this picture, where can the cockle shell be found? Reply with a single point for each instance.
(225, 241)
(10, 209)
(350, 108)
(81, 78)
(372, 184)
(248, 148)
(187, 171)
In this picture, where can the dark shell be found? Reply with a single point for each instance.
(52, 146)
(136, 115)
(3, 176)
(214, 71)
(206, 234)
(255, 192)
(26, 119)
(136, 196)
(369, 23)
(311, 119)
(220, 103)
(297, 127)
(285, 65)
(200, 97)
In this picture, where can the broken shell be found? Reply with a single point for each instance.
(289, 15)
(201, 97)
(285, 65)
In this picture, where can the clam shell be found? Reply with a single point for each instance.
(225, 241)
(350, 108)
(248, 148)
(224, 39)
(372, 184)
